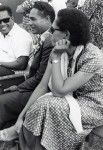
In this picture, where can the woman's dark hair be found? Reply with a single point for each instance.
(76, 23)
(46, 9)
(6, 8)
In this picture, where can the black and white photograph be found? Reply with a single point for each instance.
(51, 74)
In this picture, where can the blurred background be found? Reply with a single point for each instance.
(58, 4)
(13, 4)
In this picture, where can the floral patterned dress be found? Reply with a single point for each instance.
(48, 117)
(94, 11)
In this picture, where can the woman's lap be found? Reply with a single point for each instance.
(46, 107)
(49, 116)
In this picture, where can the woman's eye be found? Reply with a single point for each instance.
(32, 18)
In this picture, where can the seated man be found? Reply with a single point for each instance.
(15, 44)
(24, 9)
(11, 104)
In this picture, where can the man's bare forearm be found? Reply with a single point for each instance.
(19, 64)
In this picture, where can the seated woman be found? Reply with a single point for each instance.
(75, 69)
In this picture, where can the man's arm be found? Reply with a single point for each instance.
(31, 83)
(19, 64)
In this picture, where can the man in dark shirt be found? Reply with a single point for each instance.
(11, 104)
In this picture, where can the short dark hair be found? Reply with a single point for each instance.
(75, 3)
(6, 8)
(77, 23)
(46, 9)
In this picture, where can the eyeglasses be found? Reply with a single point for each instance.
(52, 30)
(6, 20)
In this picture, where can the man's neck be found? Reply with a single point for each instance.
(5, 34)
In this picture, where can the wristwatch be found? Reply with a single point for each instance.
(55, 61)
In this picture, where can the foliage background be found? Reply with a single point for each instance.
(13, 4)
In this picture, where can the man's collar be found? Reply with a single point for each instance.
(12, 30)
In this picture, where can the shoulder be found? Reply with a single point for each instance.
(91, 59)
(92, 52)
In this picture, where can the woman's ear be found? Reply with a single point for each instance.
(48, 18)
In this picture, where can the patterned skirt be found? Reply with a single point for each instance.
(48, 117)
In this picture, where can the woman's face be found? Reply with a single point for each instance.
(57, 34)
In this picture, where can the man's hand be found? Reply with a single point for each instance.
(11, 89)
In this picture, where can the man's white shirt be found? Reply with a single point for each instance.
(16, 43)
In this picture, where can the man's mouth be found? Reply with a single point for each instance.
(4, 28)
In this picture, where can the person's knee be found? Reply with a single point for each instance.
(3, 100)
(8, 102)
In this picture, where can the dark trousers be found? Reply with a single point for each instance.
(28, 141)
(5, 71)
(11, 105)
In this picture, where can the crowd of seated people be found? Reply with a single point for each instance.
(65, 79)
(41, 18)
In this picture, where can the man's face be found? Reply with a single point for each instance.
(6, 22)
(38, 23)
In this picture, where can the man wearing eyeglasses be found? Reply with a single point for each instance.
(15, 44)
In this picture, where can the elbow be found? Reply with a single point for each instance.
(22, 63)
(20, 67)
(23, 67)
(60, 91)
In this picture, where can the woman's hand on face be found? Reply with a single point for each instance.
(60, 47)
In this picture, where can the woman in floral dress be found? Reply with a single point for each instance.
(47, 124)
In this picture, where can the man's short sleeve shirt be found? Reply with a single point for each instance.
(17, 43)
